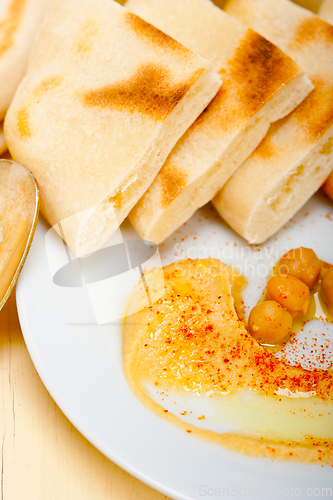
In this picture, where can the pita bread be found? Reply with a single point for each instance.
(326, 11)
(19, 22)
(261, 85)
(105, 99)
(296, 156)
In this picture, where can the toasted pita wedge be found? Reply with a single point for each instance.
(105, 99)
(19, 22)
(326, 11)
(296, 155)
(261, 85)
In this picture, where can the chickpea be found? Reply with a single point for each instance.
(302, 263)
(269, 323)
(291, 293)
(328, 186)
(327, 289)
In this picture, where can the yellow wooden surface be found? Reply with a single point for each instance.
(43, 456)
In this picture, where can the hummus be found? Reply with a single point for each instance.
(193, 342)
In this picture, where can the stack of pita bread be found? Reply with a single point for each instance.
(260, 85)
(122, 112)
(296, 156)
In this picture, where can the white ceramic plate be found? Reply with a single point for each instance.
(80, 364)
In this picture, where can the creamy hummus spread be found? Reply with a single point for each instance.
(193, 341)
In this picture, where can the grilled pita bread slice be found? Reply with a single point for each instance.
(261, 85)
(326, 11)
(296, 156)
(105, 99)
(19, 22)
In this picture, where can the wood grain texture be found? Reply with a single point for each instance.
(43, 457)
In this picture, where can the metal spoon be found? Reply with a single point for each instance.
(19, 208)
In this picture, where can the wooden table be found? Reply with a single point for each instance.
(43, 456)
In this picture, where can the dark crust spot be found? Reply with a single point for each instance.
(261, 69)
(155, 36)
(48, 84)
(23, 118)
(315, 113)
(265, 148)
(150, 91)
(9, 26)
(257, 71)
(311, 30)
(172, 183)
(23, 123)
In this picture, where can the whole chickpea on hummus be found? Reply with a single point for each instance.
(192, 341)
